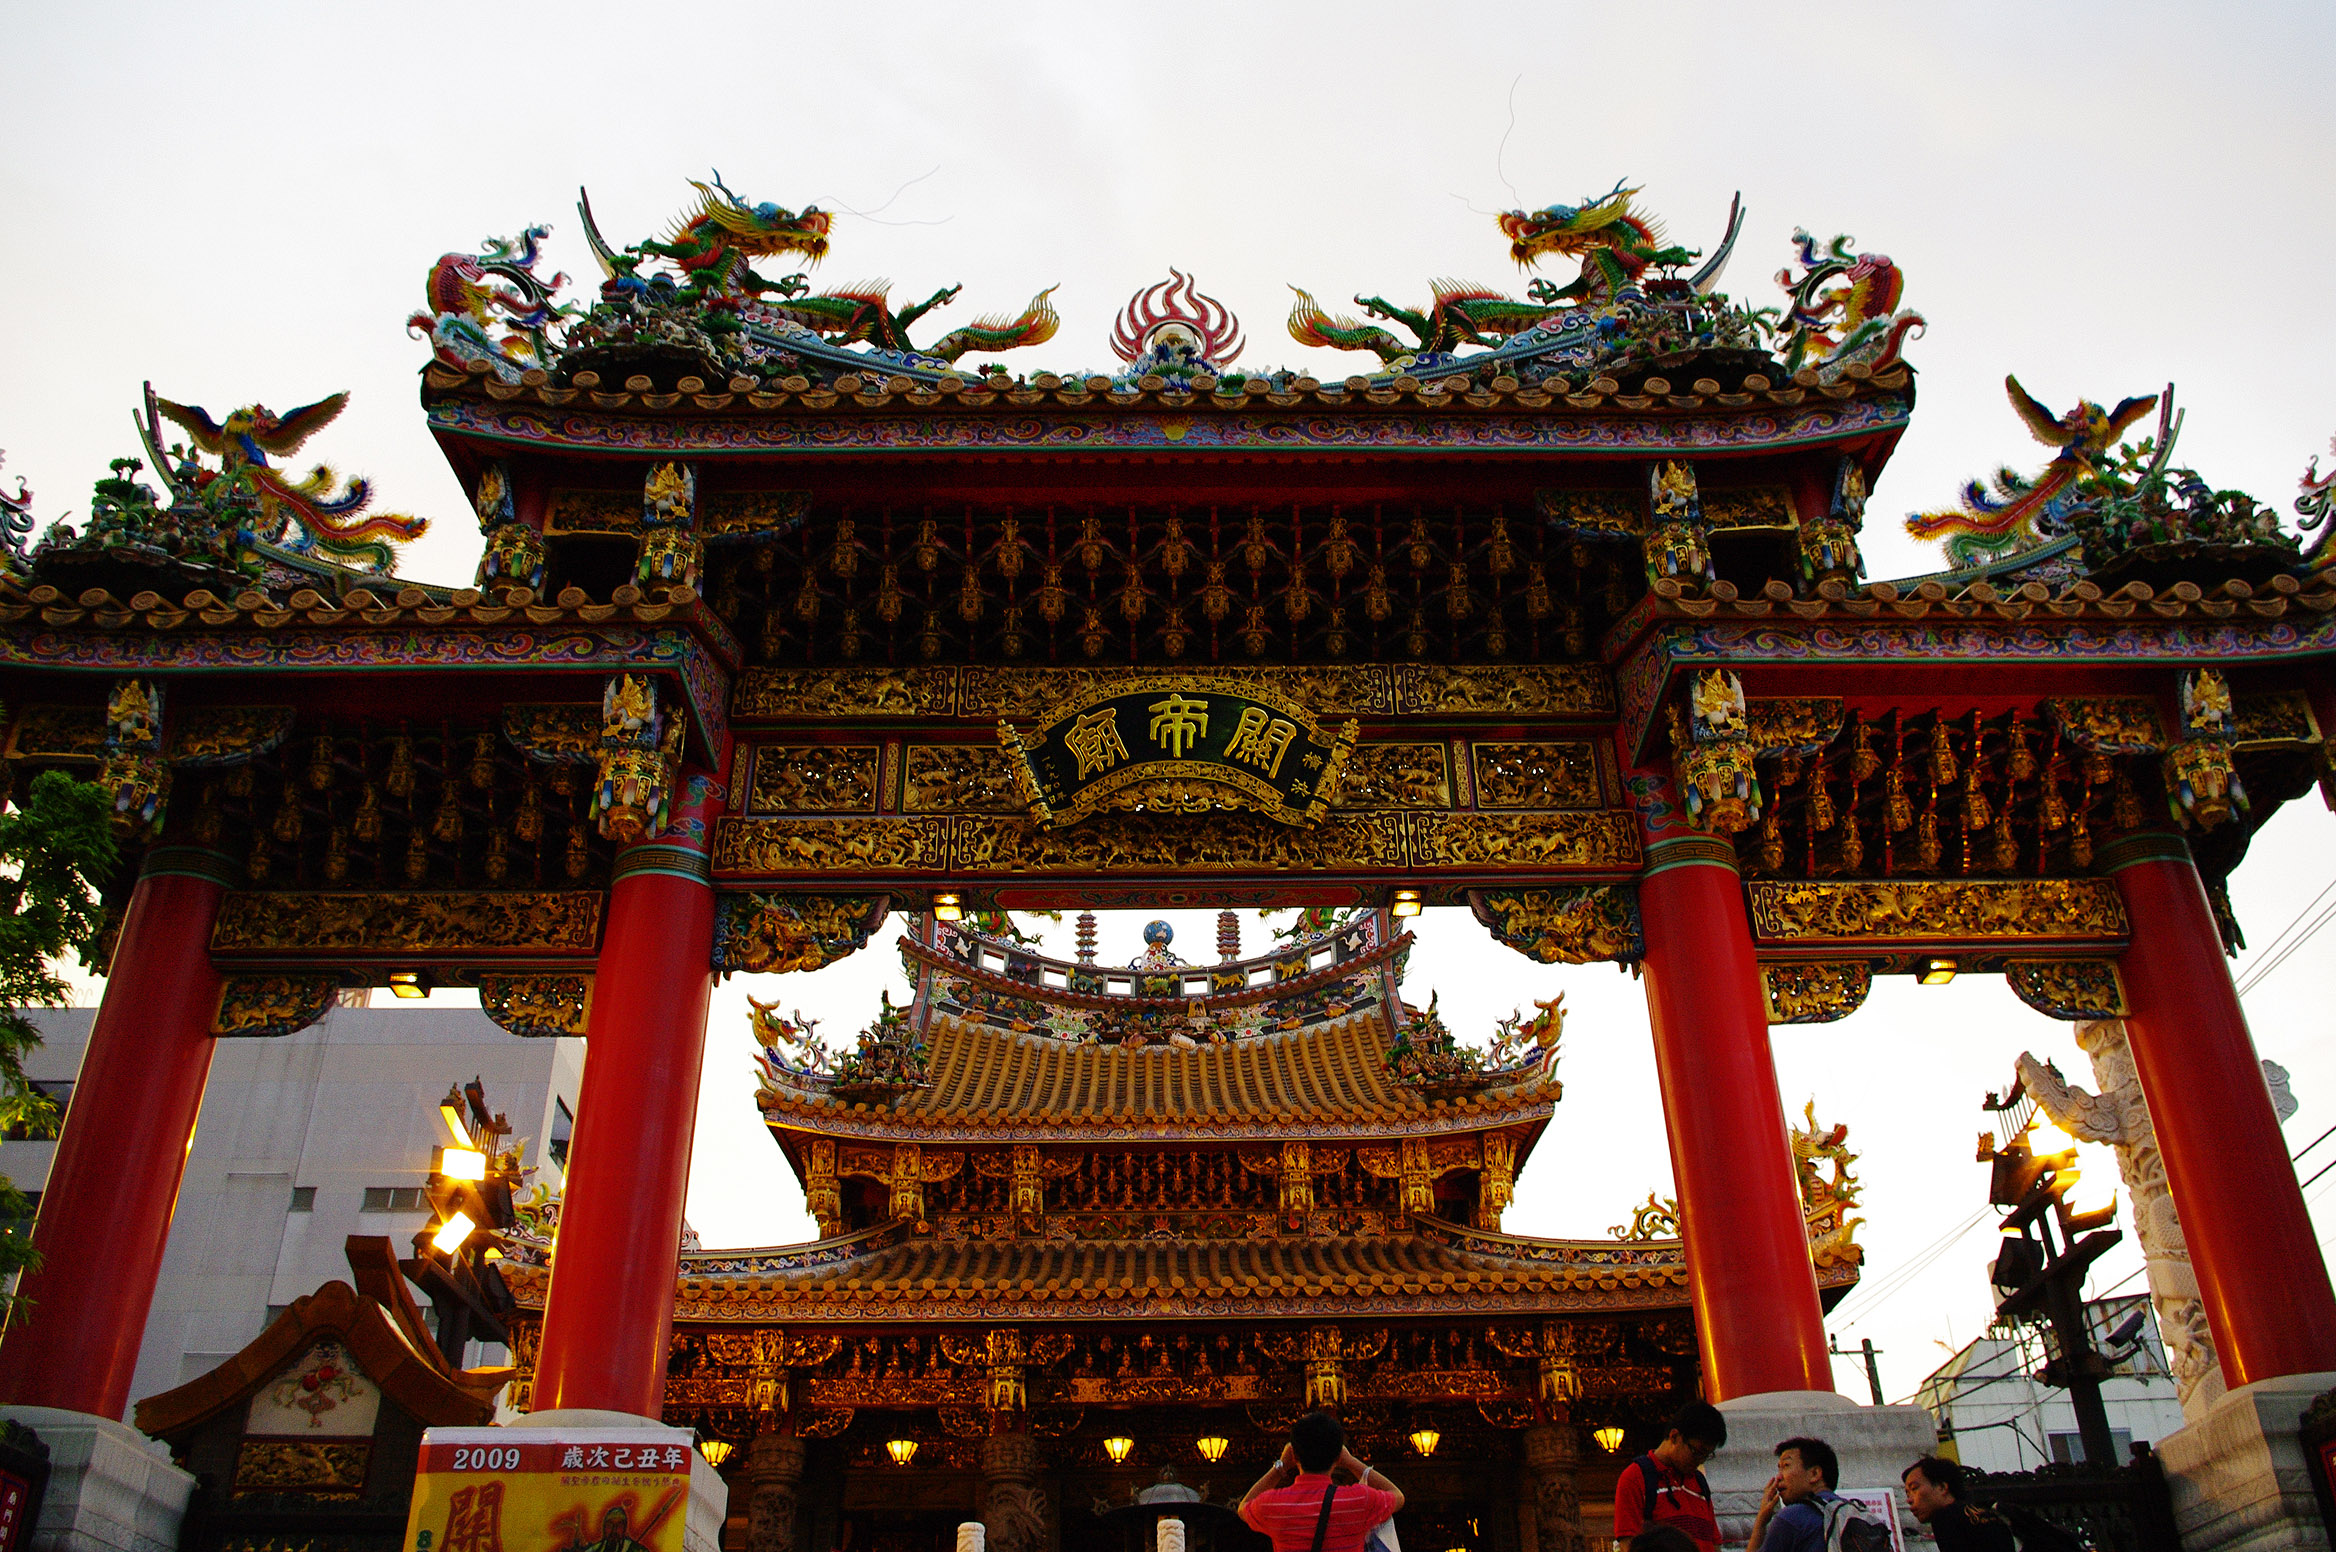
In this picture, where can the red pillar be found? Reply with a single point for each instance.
(609, 1313)
(105, 1213)
(2260, 1273)
(1757, 1318)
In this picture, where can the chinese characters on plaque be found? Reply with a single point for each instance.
(1179, 746)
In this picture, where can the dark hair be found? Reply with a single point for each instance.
(1317, 1440)
(1663, 1538)
(1702, 1421)
(1938, 1472)
(1817, 1453)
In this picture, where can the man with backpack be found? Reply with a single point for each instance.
(1801, 1512)
(1666, 1485)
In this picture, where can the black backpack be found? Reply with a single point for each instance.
(1649, 1474)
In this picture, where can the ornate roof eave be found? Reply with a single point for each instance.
(511, 630)
(1883, 623)
(884, 1276)
(1403, 417)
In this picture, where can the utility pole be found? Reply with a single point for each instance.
(2041, 1277)
(1873, 1369)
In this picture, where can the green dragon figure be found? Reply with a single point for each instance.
(1461, 314)
(1616, 247)
(862, 314)
(713, 245)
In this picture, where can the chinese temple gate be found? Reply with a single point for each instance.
(1555, 611)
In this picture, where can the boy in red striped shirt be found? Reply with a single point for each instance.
(1318, 1497)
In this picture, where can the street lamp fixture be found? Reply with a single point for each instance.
(948, 908)
(457, 1229)
(1609, 1438)
(716, 1451)
(902, 1451)
(1212, 1449)
(462, 1164)
(1407, 903)
(1937, 972)
(1118, 1449)
(410, 983)
(1425, 1441)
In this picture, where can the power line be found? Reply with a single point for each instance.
(2279, 942)
(1898, 1281)
(2273, 960)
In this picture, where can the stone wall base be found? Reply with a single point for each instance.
(2238, 1474)
(111, 1489)
(1875, 1445)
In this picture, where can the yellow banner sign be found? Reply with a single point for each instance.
(520, 1490)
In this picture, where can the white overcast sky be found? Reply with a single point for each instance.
(240, 201)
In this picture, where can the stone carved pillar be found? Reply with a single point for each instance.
(1014, 1509)
(1552, 1456)
(2118, 1115)
(774, 1475)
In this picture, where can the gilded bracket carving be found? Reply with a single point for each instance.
(2070, 989)
(1805, 993)
(537, 1005)
(267, 1006)
(1576, 926)
(767, 934)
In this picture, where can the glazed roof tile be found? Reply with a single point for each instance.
(1328, 1081)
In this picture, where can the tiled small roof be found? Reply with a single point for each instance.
(1331, 1080)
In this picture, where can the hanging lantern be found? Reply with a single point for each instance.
(1212, 1448)
(1425, 1441)
(1118, 1449)
(902, 1451)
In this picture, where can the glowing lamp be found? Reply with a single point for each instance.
(1407, 903)
(462, 1164)
(409, 983)
(492, 1254)
(1425, 1441)
(902, 1451)
(1212, 1449)
(716, 1451)
(1937, 972)
(457, 1124)
(2045, 1136)
(948, 908)
(1609, 1438)
(457, 1229)
(1118, 1449)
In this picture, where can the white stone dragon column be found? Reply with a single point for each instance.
(2119, 1116)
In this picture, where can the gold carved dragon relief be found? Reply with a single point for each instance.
(830, 845)
(1326, 689)
(1937, 909)
(514, 920)
(1559, 690)
(1563, 775)
(1570, 840)
(814, 778)
(1395, 776)
(1149, 843)
(825, 694)
(960, 779)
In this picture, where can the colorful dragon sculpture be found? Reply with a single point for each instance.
(2314, 505)
(2020, 513)
(304, 516)
(15, 526)
(465, 307)
(711, 250)
(1844, 310)
(1615, 244)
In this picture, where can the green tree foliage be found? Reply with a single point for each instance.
(56, 846)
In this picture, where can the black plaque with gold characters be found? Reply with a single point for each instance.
(1179, 745)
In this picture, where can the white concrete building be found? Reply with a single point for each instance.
(2000, 1417)
(303, 1141)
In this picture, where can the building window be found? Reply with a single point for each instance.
(563, 1127)
(303, 1199)
(60, 1092)
(2068, 1449)
(394, 1199)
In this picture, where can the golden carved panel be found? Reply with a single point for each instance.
(960, 779)
(1524, 840)
(1937, 909)
(1562, 690)
(1537, 776)
(814, 778)
(824, 693)
(1395, 776)
(1155, 843)
(1762, 506)
(329, 1468)
(503, 921)
(829, 845)
(1325, 689)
